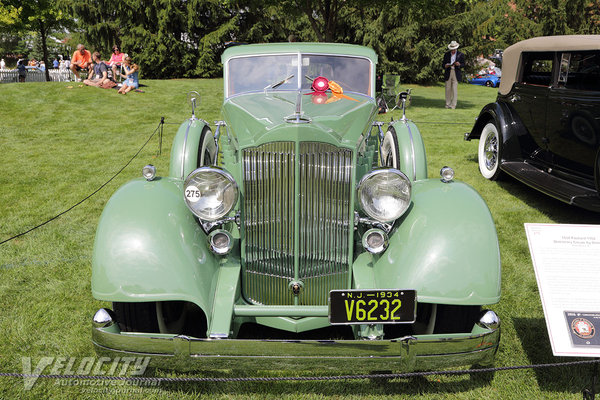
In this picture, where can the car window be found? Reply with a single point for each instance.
(255, 73)
(351, 73)
(537, 68)
(583, 70)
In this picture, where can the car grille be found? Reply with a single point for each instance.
(284, 240)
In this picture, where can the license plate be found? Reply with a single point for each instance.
(372, 306)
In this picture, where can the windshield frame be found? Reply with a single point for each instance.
(298, 75)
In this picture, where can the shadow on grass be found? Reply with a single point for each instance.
(560, 212)
(414, 386)
(428, 102)
(536, 344)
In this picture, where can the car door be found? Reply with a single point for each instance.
(530, 96)
(574, 112)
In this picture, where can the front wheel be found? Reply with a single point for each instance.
(489, 84)
(172, 317)
(455, 319)
(490, 152)
(136, 317)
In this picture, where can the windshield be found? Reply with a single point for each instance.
(282, 72)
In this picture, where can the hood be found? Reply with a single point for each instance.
(259, 118)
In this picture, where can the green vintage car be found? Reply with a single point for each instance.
(298, 232)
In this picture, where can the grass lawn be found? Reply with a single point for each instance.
(59, 144)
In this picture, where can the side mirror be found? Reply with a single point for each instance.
(402, 98)
(402, 101)
(194, 99)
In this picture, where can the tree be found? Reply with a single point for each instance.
(167, 38)
(41, 16)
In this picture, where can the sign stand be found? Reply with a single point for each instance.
(565, 260)
(590, 394)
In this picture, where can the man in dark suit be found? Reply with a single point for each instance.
(454, 60)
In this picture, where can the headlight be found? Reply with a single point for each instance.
(384, 194)
(210, 193)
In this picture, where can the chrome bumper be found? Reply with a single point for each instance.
(421, 352)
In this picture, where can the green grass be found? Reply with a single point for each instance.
(59, 144)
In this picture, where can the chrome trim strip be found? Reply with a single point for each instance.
(300, 54)
(412, 148)
(187, 131)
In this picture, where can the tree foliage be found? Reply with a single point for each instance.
(40, 16)
(185, 38)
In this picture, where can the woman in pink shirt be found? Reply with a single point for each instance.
(115, 60)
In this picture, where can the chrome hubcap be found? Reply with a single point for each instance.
(491, 151)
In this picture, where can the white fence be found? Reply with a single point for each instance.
(34, 75)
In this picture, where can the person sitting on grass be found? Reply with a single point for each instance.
(99, 74)
(131, 76)
(81, 59)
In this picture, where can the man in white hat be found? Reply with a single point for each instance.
(454, 60)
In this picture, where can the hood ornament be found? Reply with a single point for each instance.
(297, 117)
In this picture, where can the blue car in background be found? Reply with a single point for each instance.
(490, 80)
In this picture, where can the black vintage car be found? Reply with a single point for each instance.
(544, 127)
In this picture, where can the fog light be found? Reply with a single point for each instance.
(375, 241)
(220, 242)
(447, 174)
(103, 318)
(149, 172)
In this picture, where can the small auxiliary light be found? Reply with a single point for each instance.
(149, 172)
(375, 241)
(220, 242)
(447, 174)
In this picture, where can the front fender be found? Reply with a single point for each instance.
(434, 251)
(148, 247)
(509, 126)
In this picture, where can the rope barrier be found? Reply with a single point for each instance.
(302, 378)
(90, 195)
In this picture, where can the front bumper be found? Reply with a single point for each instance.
(420, 352)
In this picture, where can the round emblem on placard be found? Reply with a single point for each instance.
(583, 328)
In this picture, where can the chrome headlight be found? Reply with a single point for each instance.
(210, 193)
(384, 194)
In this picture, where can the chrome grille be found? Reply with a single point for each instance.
(323, 210)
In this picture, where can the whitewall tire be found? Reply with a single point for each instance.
(389, 150)
(490, 151)
(207, 150)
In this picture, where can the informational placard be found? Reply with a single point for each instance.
(566, 260)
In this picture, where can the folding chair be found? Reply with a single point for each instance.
(390, 87)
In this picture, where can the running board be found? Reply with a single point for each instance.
(552, 185)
